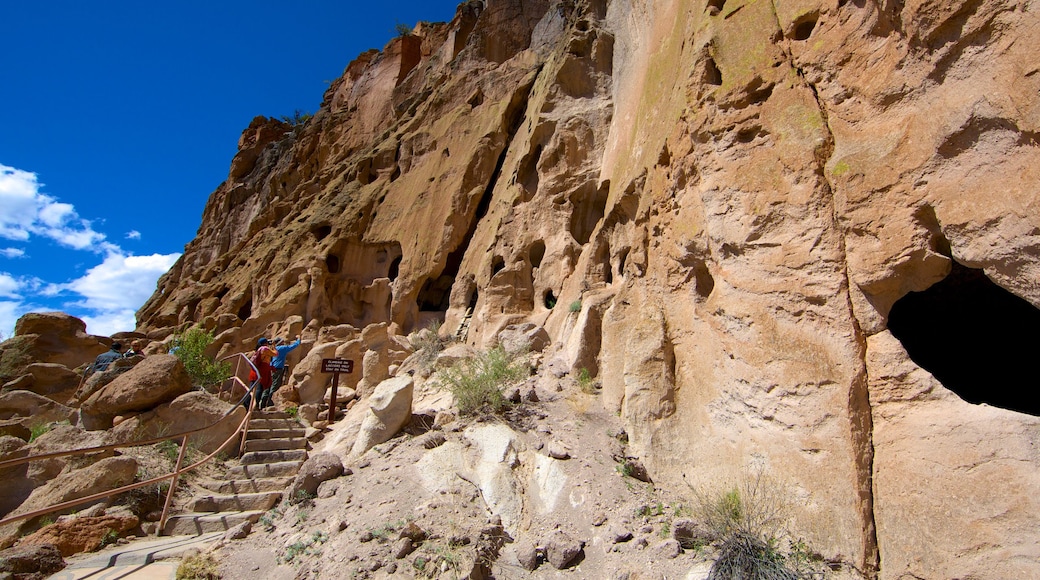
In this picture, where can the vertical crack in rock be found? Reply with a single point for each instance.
(861, 423)
(860, 412)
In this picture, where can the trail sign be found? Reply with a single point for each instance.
(335, 366)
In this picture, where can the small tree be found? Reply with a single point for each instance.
(191, 349)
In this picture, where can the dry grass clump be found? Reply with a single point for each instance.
(198, 567)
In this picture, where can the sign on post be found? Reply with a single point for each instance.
(335, 366)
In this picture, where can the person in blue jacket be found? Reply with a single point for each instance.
(278, 367)
(106, 358)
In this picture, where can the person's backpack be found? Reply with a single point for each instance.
(255, 359)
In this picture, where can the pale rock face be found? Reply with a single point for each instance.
(734, 194)
(389, 409)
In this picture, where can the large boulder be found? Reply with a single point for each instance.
(84, 534)
(155, 380)
(48, 337)
(318, 468)
(16, 486)
(187, 412)
(96, 381)
(390, 409)
(53, 380)
(32, 409)
(518, 338)
(104, 475)
(31, 562)
(64, 437)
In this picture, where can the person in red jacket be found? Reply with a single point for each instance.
(261, 359)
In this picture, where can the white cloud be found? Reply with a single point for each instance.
(9, 287)
(109, 323)
(28, 212)
(9, 313)
(12, 253)
(113, 290)
(133, 235)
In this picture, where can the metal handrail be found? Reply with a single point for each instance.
(242, 429)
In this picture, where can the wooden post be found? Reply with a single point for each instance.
(335, 366)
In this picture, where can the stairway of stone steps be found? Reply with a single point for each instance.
(276, 447)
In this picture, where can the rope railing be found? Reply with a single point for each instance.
(241, 431)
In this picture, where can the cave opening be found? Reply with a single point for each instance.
(497, 265)
(549, 299)
(395, 269)
(321, 232)
(332, 263)
(246, 310)
(435, 295)
(975, 337)
(537, 253)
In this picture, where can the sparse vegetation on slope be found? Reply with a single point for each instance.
(202, 369)
(478, 383)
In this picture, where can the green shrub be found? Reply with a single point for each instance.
(477, 383)
(39, 429)
(297, 118)
(586, 383)
(203, 370)
(575, 306)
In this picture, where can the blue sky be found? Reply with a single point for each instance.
(119, 118)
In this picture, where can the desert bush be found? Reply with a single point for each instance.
(477, 383)
(746, 522)
(198, 567)
(191, 349)
(575, 306)
(428, 344)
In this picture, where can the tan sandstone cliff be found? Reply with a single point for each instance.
(711, 205)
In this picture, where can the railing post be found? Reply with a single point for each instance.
(173, 486)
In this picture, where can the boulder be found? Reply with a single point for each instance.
(32, 408)
(84, 534)
(48, 337)
(16, 486)
(104, 475)
(14, 428)
(526, 337)
(318, 468)
(95, 381)
(34, 562)
(53, 380)
(62, 437)
(563, 551)
(155, 380)
(187, 412)
(390, 409)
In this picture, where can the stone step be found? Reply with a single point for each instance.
(254, 457)
(273, 424)
(271, 415)
(235, 503)
(227, 487)
(279, 433)
(275, 444)
(196, 524)
(275, 469)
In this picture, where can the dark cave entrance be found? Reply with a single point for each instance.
(976, 338)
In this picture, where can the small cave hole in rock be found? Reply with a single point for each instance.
(712, 74)
(549, 299)
(704, 282)
(715, 6)
(332, 263)
(747, 135)
(246, 310)
(803, 28)
(435, 295)
(321, 232)
(976, 338)
(221, 293)
(497, 265)
(622, 258)
(395, 269)
(537, 253)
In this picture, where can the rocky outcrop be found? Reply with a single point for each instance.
(155, 380)
(716, 209)
(190, 411)
(106, 474)
(83, 534)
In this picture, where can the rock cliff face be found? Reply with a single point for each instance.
(718, 208)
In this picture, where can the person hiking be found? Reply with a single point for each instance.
(136, 349)
(261, 359)
(279, 367)
(106, 358)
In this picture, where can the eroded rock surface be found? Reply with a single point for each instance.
(710, 207)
